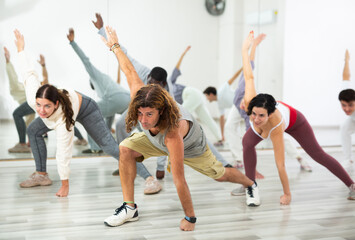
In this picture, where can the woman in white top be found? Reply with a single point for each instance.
(270, 119)
(58, 109)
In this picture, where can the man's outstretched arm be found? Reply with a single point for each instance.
(134, 82)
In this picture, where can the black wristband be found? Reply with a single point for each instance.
(190, 219)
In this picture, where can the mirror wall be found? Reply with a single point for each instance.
(300, 61)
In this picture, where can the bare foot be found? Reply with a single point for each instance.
(63, 191)
(259, 175)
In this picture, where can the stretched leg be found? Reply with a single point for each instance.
(234, 131)
(208, 165)
(23, 110)
(161, 163)
(97, 129)
(77, 133)
(205, 117)
(106, 114)
(121, 133)
(304, 135)
(160, 173)
(90, 117)
(233, 175)
(215, 152)
(39, 150)
(93, 72)
(250, 140)
(190, 99)
(347, 129)
(109, 121)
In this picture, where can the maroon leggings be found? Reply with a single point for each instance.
(303, 133)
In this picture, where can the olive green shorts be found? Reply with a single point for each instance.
(206, 163)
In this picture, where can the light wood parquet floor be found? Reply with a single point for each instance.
(319, 208)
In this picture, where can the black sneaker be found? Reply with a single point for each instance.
(92, 151)
(116, 172)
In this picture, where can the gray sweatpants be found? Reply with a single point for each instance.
(90, 117)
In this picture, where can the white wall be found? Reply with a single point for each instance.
(317, 32)
(300, 61)
(155, 32)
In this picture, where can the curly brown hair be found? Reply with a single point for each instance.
(154, 96)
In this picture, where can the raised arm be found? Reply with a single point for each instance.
(134, 82)
(16, 88)
(256, 42)
(99, 23)
(142, 70)
(250, 91)
(346, 70)
(42, 61)
(118, 74)
(31, 80)
(19, 41)
(182, 57)
(7, 55)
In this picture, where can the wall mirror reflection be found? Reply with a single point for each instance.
(300, 62)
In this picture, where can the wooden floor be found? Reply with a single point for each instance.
(319, 208)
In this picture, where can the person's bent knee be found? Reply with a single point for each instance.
(247, 145)
(125, 150)
(31, 130)
(14, 114)
(127, 153)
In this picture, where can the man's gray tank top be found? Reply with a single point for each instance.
(194, 141)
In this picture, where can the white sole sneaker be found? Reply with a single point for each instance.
(106, 222)
(252, 196)
(122, 214)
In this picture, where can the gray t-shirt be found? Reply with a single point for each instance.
(194, 141)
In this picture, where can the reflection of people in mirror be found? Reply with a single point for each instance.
(347, 101)
(113, 97)
(17, 90)
(58, 109)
